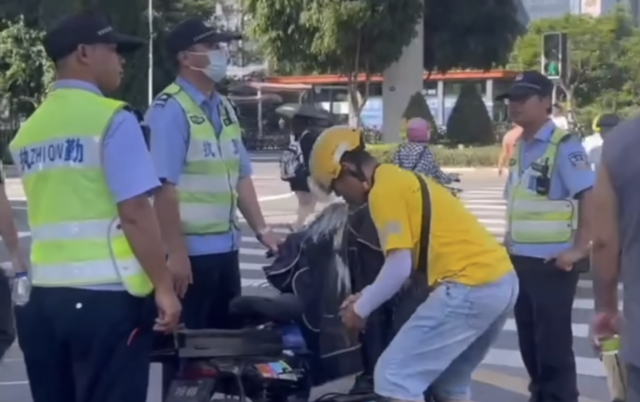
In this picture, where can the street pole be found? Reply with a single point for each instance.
(150, 72)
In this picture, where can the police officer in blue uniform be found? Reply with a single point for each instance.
(548, 236)
(87, 337)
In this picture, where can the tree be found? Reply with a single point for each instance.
(469, 122)
(418, 107)
(463, 34)
(335, 36)
(597, 48)
(25, 70)
(128, 16)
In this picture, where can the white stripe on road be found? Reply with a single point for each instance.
(487, 195)
(274, 197)
(484, 201)
(477, 206)
(492, 221)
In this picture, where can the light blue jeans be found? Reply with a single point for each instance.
(445, 340)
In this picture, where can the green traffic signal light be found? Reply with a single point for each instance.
(554, 55)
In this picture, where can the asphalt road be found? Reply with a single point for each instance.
(501, 377)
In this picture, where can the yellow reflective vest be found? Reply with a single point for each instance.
(77, 239)
(207, 186)
(534, 218)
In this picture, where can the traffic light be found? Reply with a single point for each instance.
(555, 56)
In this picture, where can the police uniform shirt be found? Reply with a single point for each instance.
(169, 143)
(571, 175)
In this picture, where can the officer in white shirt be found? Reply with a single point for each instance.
(602, 124)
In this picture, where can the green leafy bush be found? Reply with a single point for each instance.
(464, 157)
(469, 122)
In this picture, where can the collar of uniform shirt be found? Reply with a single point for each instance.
(545, 132)
(77, 84)
(196, 95)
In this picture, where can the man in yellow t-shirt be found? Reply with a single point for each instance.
(475, 286)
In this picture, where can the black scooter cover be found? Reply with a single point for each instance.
(312, 264)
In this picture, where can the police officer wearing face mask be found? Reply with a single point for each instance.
(196, 145)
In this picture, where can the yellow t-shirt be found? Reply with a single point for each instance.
(460, 247)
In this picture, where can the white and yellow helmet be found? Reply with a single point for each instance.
(324, 161)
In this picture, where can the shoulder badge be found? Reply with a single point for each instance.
(579, 160)
(196, 119)
(161, 100)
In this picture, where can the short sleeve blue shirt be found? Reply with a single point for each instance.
(127, 164)
(571, 176)
(169, 143)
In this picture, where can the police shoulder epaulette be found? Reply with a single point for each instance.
(162, 99)
(135, 112)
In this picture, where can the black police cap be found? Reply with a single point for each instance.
(528, 83)
(86, 28)
(193, 31)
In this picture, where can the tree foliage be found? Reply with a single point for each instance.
(603, 54)
(463, 34)
(25, 71)
(334, 36)
(128, 16)
(469, 122)
(418, 107)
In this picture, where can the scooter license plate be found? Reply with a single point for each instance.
(187, 390)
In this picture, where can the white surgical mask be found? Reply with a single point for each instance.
(217, 68)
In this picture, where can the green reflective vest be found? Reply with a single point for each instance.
(77, 239)
(207, 186)
(534, 218)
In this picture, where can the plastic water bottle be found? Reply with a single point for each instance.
(21, 289)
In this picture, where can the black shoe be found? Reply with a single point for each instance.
(362, 385)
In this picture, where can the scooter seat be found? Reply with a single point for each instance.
(283, 308)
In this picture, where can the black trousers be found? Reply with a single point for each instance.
(7, 329)
(543, 318)
(216, 281)
(86, 345)
(633, 383)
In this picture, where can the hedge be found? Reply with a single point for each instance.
(458, 157)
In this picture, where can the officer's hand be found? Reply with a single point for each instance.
(270, 240)
(180, 268)
(567, 259)
(169, 309)
(606, 325)
(19, 262)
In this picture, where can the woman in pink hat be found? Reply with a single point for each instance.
(415, 154)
